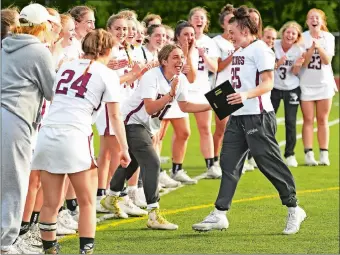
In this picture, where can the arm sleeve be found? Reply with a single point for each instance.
(148, 85)
(112, 87)
(330, 45)
(264, 58)
(45, 72)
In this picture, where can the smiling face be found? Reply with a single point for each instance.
(314, 21)
(255, 17)
(187, 34)
(169, 37)
(140, 35)
(226, 21)
(237, 36)
(199, 21)
(119, 29)
(68, 32)
(157, 38)
(269, 37)
(132, 31)
(174, 63)
(290, 36)
(86, 25)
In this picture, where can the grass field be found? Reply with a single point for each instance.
(256, 218)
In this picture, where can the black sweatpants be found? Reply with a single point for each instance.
(291, 101)
(257, 134)
(142, 154)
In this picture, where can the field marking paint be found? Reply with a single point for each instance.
(193, 208)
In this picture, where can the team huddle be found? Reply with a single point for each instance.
(132, 80)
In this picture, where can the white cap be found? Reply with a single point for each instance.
(36, 14)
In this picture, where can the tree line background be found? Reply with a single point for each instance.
(274, 12)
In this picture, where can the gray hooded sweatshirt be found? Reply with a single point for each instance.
(27, 77)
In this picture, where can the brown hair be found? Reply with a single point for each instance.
(113, 18)
(226, 10)
(96, 43)
(78, 12)
(164, 53)
(260, 26)
(196, 9)
(180, 26)
(8, 20)
(152, 28)
(323, 17)
(294, 25)
(129, 14)
(150, 17)
(243, 20)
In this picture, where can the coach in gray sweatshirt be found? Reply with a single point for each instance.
(27, 77)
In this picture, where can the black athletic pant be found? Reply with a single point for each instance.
(291, 100)
(257, 134)
(142, 154)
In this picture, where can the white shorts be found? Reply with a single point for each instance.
(317, 93)
(175, 112)
(197, 97)
(64, 150)
(103, 123)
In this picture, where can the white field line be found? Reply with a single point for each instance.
(202, 176)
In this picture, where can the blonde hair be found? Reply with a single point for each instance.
(292, 24)
(64, 18)
(9, 18)
(269, 28)
(53, 11)
(164, 53)
(323, 17)
(196, 9)
(78, 12)
(150, 17)
(96, 43)
(129, 14)
(113, 18)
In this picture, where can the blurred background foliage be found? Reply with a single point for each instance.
(274, 12)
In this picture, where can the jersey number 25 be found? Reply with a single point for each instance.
(235, 78)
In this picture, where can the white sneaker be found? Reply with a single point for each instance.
(291, 161)
(35, 231)
(215, 220)
(157, 221)
(25, 248)
(67, 220)
(181, 176)
(75, 214)
(12, 250)
(164, 159)
(252, 162)
(309, 159)
(133, 195)
(111, 203)
(99, 207)
(130, 208)
(324, 159)
(248, 167)
(296, 215)
(214, 172)
(166, 181)
(31, 240)
(62, 230)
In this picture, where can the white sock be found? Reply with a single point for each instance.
(130, 188)
(220, 212)
(152, 206)
(114, 193)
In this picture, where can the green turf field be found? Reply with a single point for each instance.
(256, 218)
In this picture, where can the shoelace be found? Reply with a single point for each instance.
(160, 218)
(114, 203)
(211, 218)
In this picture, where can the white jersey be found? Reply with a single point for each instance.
(317, 74)
(137, 55)
(152, 85)
(226, 49)
(247, 65)
(202, 78)
(78, 95)
(284, 79)
(148, 55)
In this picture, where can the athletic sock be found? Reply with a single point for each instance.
(209, 162)
(71, 204)
(101, 192)
(176, 167)
(130, 188)
(25, 227)
(86, 245)
(61, 209)
(216, 159)
(308, 150)
(323, 149)
(49, 244)
(34, 218)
